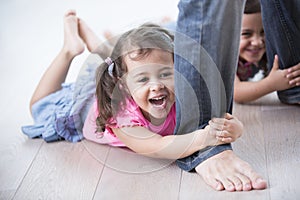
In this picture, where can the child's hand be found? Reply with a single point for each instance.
(226, 129)
(283, 79)
(294, 75)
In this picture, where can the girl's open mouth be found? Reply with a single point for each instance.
(158, 101)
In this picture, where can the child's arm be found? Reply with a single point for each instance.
(277, 80)
(145, 142)
(227, 129)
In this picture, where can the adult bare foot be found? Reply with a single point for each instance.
(92, 41)
(73, 44)
(226, 171)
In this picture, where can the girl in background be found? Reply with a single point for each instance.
(252, 79)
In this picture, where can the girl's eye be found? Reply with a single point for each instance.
(142, 80)
(246, 34)
(166, 74)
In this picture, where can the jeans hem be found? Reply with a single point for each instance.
(189, 164)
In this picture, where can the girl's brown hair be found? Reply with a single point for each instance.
(252, 6)
(110, 89)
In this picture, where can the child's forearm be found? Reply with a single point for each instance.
(250, 91)
(180, 146)
(169, 147)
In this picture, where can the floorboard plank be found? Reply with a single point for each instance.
(62, 170)
(282, 136)
(131, 176)
(7, 194)
(17, 152)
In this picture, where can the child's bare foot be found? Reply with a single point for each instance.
(92, 41)
(73, 44)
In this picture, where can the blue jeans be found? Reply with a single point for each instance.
(206, 55)
(282, 30)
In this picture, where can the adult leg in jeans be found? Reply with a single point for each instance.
(206, 52)
(282, 31)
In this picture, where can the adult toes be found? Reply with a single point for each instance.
(237, 182)
(212, 182)
(259, 184)
(227, 183)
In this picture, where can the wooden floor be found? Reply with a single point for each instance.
(31, 35)
(33, 169)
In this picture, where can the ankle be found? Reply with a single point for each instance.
(68, 53)
(71, 52)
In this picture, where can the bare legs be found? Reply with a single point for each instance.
(76, 35)
(56, 74)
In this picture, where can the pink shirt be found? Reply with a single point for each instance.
(130, 117)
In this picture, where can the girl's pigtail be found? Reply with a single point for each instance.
(105, 84)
